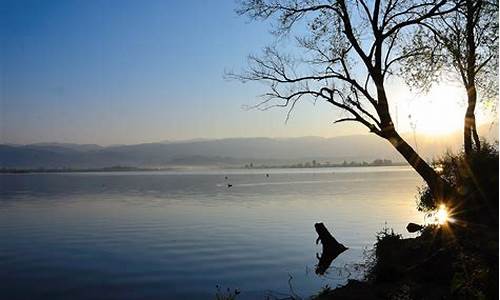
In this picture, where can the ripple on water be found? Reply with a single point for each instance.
(150, 236)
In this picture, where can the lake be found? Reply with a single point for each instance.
(176, 235)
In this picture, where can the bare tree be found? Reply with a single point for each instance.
(344, 53)
(464, 43)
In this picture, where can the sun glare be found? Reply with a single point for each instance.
(442, 215)
(439, 112)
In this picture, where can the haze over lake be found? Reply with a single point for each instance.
(231, 152)
(164, 235)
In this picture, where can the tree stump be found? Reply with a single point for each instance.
(331, 248)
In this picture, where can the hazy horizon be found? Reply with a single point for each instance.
(486, 131)
(228, 151)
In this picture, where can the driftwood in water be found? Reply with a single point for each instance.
(331, 248)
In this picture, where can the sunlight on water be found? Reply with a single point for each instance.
(167, 235)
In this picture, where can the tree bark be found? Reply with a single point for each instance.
(467, 136)
(475, 135)
(470, 131)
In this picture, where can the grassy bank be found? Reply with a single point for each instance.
(457, 259)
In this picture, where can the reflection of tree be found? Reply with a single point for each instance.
(331, 248)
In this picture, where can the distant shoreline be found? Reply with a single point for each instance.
(134, 169)
(314, 164)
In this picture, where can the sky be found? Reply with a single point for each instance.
(126, 72)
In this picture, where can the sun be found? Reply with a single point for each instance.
(442, 215)
(439, 112)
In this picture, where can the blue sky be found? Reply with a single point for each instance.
(112, 72)
(132, 71)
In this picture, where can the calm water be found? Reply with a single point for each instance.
(162, 235)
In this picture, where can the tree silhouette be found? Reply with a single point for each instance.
(345, 52)
(464, 42)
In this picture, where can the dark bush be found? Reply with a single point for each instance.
(475, 177)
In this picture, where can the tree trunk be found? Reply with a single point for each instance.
(470, 131)
(475, 135)
(467, 136)
(439, 188)
(331, 248)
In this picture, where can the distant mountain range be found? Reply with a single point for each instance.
(225, 152)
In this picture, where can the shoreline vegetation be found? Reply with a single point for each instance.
(456, 258)
(301, 165)
(316, 164)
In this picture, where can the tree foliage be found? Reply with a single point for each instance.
(463, 43)
(444, 52)
(344, 53)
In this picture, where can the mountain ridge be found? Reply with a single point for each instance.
(224, 152)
